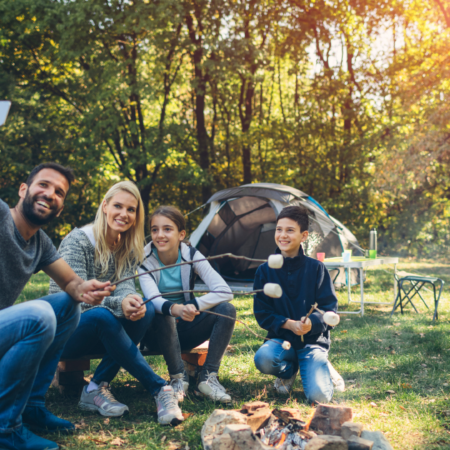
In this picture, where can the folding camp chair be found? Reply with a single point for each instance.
(338, 271)
(415, 283)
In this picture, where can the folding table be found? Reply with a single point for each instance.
(361, 263)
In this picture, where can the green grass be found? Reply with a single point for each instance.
(375, 354)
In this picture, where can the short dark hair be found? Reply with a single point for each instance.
(66, 171)
(297, 213)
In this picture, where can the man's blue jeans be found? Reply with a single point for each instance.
(33, 335)
(100, 331)
(272, 359)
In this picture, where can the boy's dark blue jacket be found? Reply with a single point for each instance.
(304, 281)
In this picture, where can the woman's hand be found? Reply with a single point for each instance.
(186, 312)
(132, 307)
(297, 326)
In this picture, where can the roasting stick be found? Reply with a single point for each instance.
(275, 262)
(271, 289)
(195, 291)
(313, 307)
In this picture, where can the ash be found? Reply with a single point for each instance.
(292, 436)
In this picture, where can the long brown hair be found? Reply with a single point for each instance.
(172, 213)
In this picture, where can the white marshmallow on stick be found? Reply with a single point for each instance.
(331, 318)
(273, 290)
(275, 261)
(286, 345)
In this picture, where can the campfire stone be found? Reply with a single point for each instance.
(357, 443)
(327, 442)
(329, 418)
(243, 437)
(253, 406)
(351, 429)
(378, 438)
(213, 428)
(259, 418)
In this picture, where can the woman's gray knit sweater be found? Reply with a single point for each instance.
(76, 249)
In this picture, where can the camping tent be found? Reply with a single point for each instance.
(242, 221)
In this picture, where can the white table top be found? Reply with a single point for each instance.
(360, 263)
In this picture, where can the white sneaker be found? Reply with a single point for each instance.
(180, 385)
(211, 388)
(338, 381)
(169, 413)
(284, 387)
(102, 401)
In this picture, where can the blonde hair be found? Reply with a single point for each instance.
(130, 249)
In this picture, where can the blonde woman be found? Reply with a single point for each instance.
(110, 249)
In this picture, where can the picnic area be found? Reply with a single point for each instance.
(396, 370)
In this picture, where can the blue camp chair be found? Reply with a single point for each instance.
(409, 285)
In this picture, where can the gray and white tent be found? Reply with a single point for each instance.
(242, 221)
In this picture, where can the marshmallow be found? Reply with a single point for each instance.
(276, 261)
(286, 345)
(273, 290)
(331, 318)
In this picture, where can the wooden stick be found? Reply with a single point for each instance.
(245, 325)
(193, 291)
(313, 307)
(209, 258)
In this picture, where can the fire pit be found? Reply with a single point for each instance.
(257, 427)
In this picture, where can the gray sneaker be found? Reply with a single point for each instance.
(284, 387)
(180, 385)
(338, 381)
(102, 400)
(210, 387)
(169, 413)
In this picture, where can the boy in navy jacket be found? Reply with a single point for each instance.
(304, 281)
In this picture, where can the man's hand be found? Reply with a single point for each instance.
(297, 326)
(186, 312)
(132, 307)
(93, 292)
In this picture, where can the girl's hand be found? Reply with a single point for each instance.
(132, 307)
(298, 327)
(186, 312)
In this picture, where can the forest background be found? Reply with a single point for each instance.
(347, 100)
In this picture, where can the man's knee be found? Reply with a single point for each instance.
(42, 315)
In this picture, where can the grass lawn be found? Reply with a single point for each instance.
(406, 355)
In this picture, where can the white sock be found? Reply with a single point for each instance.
(92, 386)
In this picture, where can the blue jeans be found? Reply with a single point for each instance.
(272, 359)
(100, 331)
(32, 337)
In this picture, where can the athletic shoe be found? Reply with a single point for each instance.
(103, 401)
(23, 439)
(284, 387)
(169, 413)
(338, 381)
(180, 385)
(210, 387)
(38, 418)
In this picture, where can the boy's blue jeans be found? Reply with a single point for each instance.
(272, 359)
(100, 331)
(33, 335)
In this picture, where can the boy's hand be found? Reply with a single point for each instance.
(298, 327)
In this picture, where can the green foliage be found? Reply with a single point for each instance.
(346, 101)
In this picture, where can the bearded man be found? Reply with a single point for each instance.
(33, 333)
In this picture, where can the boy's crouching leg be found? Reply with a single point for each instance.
(272, 359)
(316, 378)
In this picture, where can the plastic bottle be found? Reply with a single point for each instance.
(373, 243)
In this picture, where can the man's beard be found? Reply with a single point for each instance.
(31, 215)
